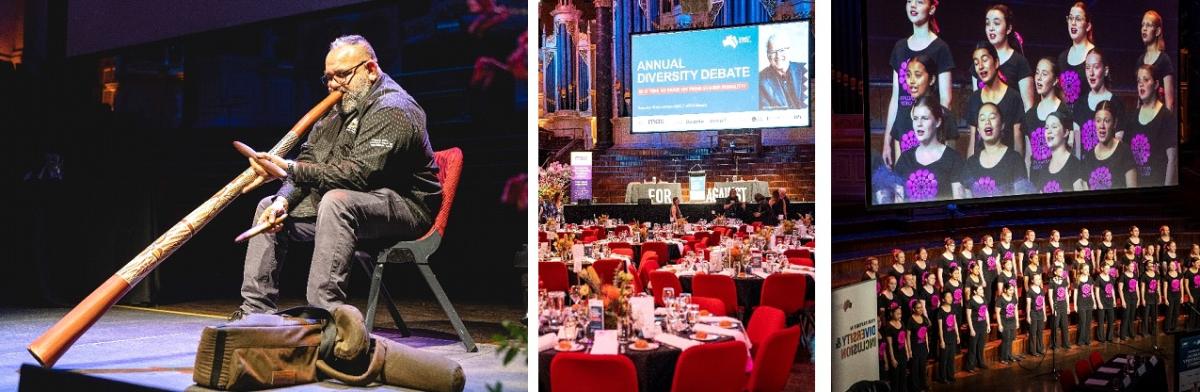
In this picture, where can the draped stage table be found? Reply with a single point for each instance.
(657, 192)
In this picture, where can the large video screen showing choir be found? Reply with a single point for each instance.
(978, 99)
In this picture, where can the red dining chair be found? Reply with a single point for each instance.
(714, 239)
(1083, 369)
(644, 270)
(1066, 380)
(717, 286)
(583, 372)
(553, 275)
(619, 245)
(657, 247)
(764, 321)
(802, 261)
(785, 292)
(606, 269)
(620, 229)
(450, 163)
(601, 232)
(627, 252)
(773, 361)
(1096, 360)
(810, 244)
(715, 367)
(661, 279)
(651, 255)
(798, 253)
(712, 305)
(701, 236)
(542, 237)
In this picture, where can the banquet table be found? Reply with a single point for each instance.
(1146, 373)
(655, 368)
(749, 288)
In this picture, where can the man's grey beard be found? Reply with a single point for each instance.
(352, 99)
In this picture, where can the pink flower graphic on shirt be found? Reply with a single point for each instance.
(1175, 285)
(1101, 178)
(908, 141)
(1088, 135)
(984, 186)
(921, 185)
(957, 296)
(991, 263)
(1012, 282)
(1010, 311)
(1008, 255)
(1061, 292)
(1112, 272)
(950, 321)
(981, 314)
(1038, 149)
(1140, 145)
(1196, 281)
(1108, 290)
(1154, 286)
(902, 338)
(922, 334)
(934, 300)
(1051, 186)
(1070, 82)
(902, 76)
(1039, 302)
(1087, 290)
(1137, 250)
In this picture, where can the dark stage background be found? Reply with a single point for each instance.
(132, 171)
(858, 233)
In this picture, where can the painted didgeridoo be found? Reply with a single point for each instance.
(51, 345)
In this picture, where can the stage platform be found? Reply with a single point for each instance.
(659, 213)
(156, 348)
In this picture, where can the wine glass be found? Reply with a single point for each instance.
(556, 307)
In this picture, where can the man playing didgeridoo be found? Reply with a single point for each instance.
(366, 171)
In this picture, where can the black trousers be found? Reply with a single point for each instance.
(896, 375)
(918, 370)
(1006, 340)
(975, 348)
(1058, 329)
(1035, 343)
(1171, 322)
(945, 370)
(1085, 326)
(1127, 322)
(1104, 324)
(1150, 318)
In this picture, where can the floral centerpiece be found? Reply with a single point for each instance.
(553, 179)
(615, 294)
(602, 220)
(788, 226)
(563, 245)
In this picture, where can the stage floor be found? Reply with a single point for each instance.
(1029, 374)
(157, 348)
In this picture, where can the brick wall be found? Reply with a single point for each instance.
(790, 167)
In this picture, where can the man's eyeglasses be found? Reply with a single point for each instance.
(777, 52)
(341, 76)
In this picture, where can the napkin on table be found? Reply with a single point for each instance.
(605, 343)
(675, 341)
(547, 341)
